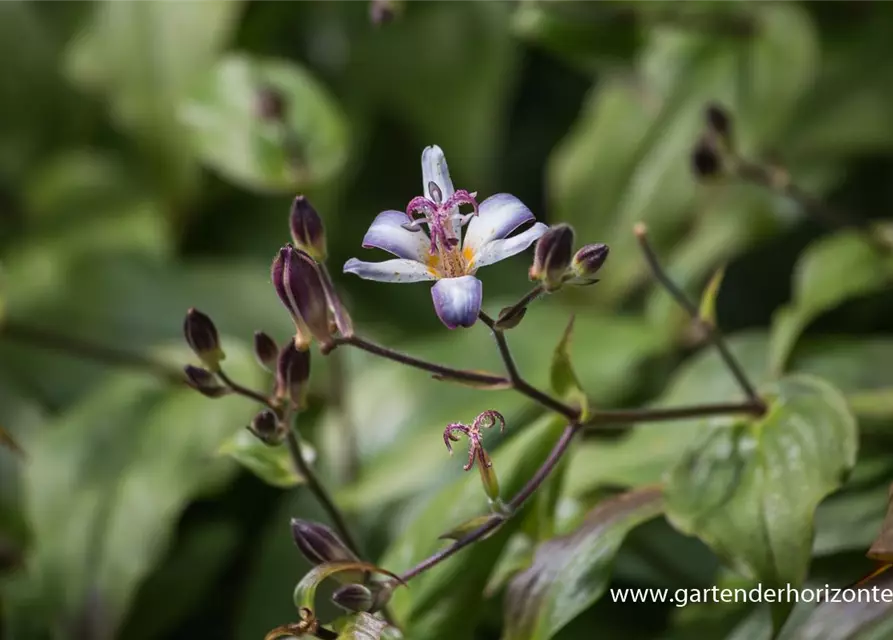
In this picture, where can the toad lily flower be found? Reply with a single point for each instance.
(443, 254)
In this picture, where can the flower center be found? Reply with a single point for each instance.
(444, 226)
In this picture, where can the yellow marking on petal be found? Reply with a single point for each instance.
(468, 254)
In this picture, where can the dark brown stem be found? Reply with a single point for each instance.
(632, 416)
(712, 332)
(519, 383)
(448, 373)
(245, 391)
(87, 349)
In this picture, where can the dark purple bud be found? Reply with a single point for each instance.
(318, 543)
(705, 160)
(589, 259)
(297, 281)
(381, 11)
(292, 373)
(202, 337)
(265, 350)
(719, 122)
(307, 230)
(553, 256)
(270, 104)
(204, 382)
(265, 425)
(353, 597)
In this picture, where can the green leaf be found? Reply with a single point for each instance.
(440, 604)
(564, 380)
(305, 591)
(145, 57)
(626, 158)
(830, 271)
(117, 509)
(572, 571)
(750, 490)
(228, 134)
(273, 464)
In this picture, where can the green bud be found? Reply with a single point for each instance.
(488, 475)
(265, 350)
(553, 256)
(203, 339)
(588, 260)
(307, 229)
(204, 382)
(353, 597)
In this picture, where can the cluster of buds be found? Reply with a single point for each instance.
(715, 147)
(319, 545)
(302, 283)
(556, 264)
(476, 451)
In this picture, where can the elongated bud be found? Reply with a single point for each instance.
(307, 229)
(719, 123)
(318, 543)
(353, 597)
(298, 285)
(203, 339)
(553, 256)
(265, 425)
(588, 260)
(265, 350)
(488, 475)
(706, 162)
(204, 382)
(292, 373)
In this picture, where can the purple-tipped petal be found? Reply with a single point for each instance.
(435, 169)
(497, 250)
(497, 217)
(387, 233)
(401, 270)
(457, 301)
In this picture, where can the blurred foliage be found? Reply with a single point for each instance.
(148, 155)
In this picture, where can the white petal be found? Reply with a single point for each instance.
(386, 233)
(434, 169)
(457, 301)
(389, 271)
(501, 249)
(497, 217)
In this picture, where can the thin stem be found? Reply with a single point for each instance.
(87, 349)
(319, 491)
(713, 333)
(519, 383)
(245, 391)
(497, 519)
(520, 305)
(631, 416)
(448, 373)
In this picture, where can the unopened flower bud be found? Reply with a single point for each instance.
(705, 160)
(719, 123)
(203, 339)
(204, 382)
(353, 597)
(292, 373)
(553, 256)
(265, 425)
(588, 260)
(270, 104)
(265, 350)
(296, 278)
(318, 543)
(307, 229)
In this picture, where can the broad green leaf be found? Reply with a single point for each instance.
(272, 464)
(572, 571)
(626, 159)
(750, 490)
(564, 380)
(228, 134)
(439, 604)
(516, 556)
(363, 626)
(831, 271)
(144, 57)
(114, 474)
